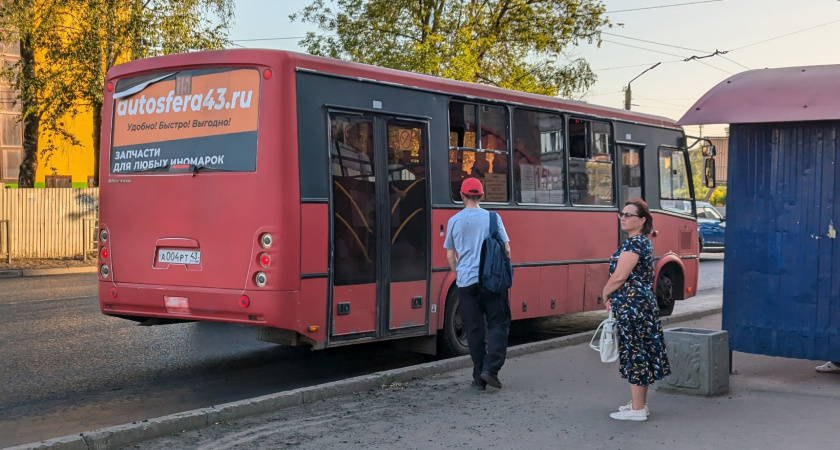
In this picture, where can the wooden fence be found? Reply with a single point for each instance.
(49, 223)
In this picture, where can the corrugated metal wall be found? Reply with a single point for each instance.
(48, 223)
(781, 292)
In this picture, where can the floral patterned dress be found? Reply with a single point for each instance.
(641, 345)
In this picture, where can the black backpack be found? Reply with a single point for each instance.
(495, 273)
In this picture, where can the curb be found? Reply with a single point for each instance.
(131, 433)
(14, 273)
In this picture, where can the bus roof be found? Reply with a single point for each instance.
(323, 65)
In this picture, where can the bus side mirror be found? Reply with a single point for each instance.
(710, 173)
(709, 150)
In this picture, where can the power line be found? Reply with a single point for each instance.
(660, 101)
(652, 42)
(681, 48)
(641, 48)
(714, 67)
(635, 65)
(786, 35)
(734, 62)
(279, 38)
(269, 39)
(662, 6)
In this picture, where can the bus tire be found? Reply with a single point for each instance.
(452, 341)
(665, 297)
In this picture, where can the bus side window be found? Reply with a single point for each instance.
(540, 175)
(480, 154)
(591, 159)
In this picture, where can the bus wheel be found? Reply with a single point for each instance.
(453, 339)
(665, 292)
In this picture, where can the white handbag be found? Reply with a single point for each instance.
(607, 342)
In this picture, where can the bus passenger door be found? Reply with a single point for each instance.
(408, 241)
(380, 238)
(630, 176)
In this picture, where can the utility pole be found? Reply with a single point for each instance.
(627, 94)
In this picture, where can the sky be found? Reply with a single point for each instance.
(756, 34)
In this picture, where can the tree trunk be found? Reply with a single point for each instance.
(97, 134)
(31, 118)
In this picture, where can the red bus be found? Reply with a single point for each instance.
(308, 196)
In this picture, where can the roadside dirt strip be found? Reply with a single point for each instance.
(135, 432)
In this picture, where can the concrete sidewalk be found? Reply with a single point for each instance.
(557, 394)
(559, 398)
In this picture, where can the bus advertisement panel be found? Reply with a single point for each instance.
(187, 119)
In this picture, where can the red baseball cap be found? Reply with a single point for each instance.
(471, 186)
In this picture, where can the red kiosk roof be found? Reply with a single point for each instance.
(788, 94)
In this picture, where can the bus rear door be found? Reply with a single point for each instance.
(380, 261)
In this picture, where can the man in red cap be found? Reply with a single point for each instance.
(465, 233)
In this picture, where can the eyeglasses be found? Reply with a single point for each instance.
(624, 215)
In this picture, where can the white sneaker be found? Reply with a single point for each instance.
(637, 415)
(828, 367)
(629, 406)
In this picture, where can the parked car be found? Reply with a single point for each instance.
(711, 227)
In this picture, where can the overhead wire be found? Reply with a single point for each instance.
(785, 35)
(662, 6)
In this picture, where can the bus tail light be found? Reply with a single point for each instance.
(265, 259)
(104, 252)
(244, 301)
(113, 292)
(104, 271)
(103, 236)
(260, 279)
(266, 240)
(267, 74)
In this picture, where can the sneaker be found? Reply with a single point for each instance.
(629, 406)
(491, 379)
(636, 415)
(479, 385)
(828, 367)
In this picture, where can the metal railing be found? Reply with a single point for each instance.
(5, 241)
(89, 237)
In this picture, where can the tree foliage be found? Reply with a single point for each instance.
(78, 41)
(513, 44)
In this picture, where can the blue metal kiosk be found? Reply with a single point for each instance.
(781, 294)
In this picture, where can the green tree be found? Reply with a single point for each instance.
(79, 41)
(513, 44)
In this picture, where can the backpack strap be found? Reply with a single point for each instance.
(494, 224)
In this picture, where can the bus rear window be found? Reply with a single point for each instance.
(185, 121)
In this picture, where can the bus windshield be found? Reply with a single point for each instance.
(186, 120)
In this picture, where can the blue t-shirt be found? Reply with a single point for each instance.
(465, 233)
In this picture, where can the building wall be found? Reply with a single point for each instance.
(68, 166)
(68, 160)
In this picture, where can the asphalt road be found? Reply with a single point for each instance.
(67, 368)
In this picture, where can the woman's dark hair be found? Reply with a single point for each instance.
(644, 213)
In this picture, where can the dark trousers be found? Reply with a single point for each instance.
(480, 309)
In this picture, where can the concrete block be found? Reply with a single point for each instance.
(699, 361)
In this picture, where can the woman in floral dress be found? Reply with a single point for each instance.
(629, 292)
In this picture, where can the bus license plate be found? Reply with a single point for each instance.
(173, 256)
